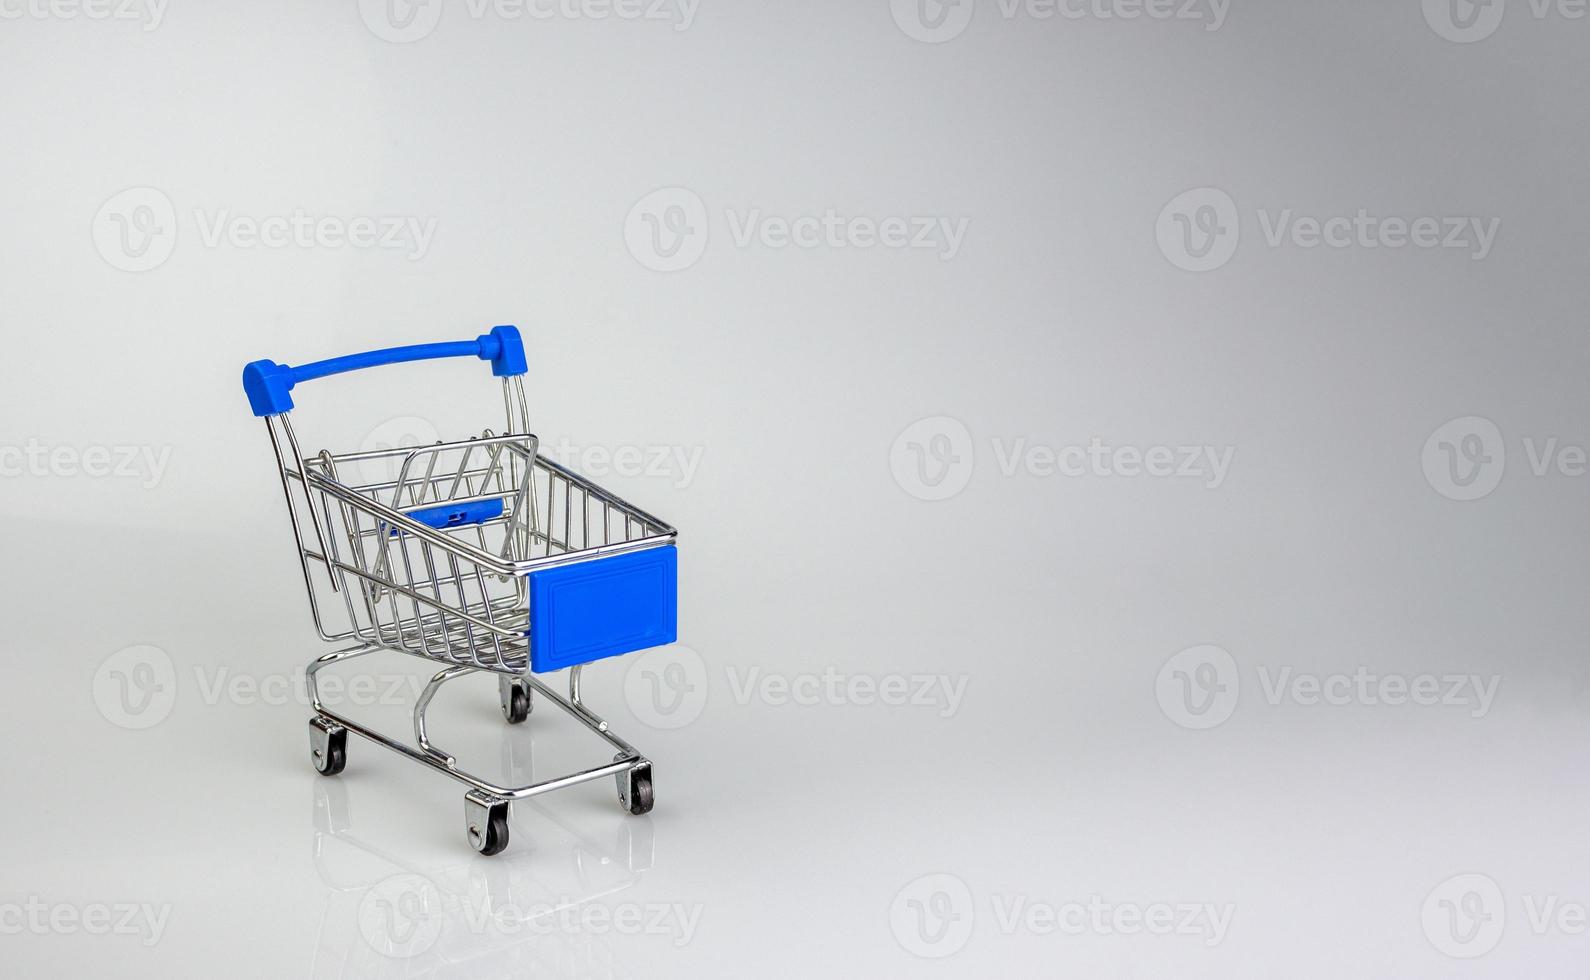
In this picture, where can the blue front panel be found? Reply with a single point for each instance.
(602, 608)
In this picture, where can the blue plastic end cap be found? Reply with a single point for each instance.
(267, 385)
(505, 350)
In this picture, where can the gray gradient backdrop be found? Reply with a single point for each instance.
(1180, 418)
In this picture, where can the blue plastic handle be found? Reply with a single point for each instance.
(268, 384)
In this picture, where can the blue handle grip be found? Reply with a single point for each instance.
(268, 384)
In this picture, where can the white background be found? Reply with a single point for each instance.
(826, 525)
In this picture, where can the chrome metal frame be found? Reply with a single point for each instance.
(456, 595)
(444, 762)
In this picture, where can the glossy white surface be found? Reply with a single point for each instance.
(1144, 726)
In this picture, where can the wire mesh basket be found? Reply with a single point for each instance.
(480, 554)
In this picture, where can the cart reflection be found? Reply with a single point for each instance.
(541, 912)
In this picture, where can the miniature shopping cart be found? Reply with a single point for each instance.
(479, 554)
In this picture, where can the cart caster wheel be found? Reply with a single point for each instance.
(634, 787)
(328, 746)
(486, 822)
(515, 697)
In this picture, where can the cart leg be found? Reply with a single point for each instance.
(515, 696)
(328, 746)
(486, 821)
(634, 786)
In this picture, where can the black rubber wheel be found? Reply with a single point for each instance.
(640, 798)
(518, 707)
(496, 833)
(335, 758)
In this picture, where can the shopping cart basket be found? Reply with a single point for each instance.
(479, 554)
